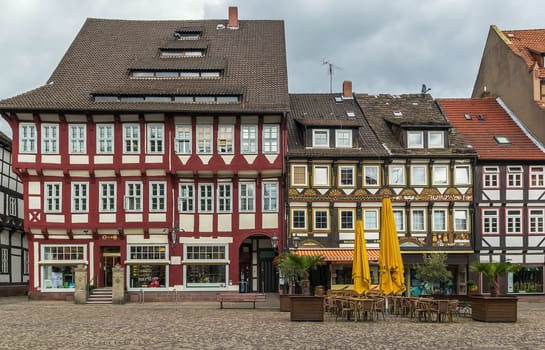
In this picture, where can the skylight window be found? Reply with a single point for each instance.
(467, 116)
(351, 114)
(480, 116)
(338, 99)
(502, 140)
(398, 114)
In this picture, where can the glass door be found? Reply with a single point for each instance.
(111, 256)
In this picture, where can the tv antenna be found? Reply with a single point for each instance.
(425, 89)
(331, 67)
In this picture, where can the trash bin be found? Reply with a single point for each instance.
(319, 291)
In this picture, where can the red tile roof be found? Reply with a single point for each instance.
(528, 44)
(337, 255)
(496, 122)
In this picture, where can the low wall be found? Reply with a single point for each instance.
(12, 290)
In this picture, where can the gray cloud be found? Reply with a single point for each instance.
(383, 47)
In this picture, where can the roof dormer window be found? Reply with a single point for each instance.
(436, 139)
(182, 35)
(320, 138)
(415, 139)
(181, 53)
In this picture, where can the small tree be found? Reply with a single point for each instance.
(433, 269)
(295, 269)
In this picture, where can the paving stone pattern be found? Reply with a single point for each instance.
(202, 325)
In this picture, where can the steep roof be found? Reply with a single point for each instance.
(528, 44)
(412, 111)
(480, 133)
(329, 110)
(252, 59)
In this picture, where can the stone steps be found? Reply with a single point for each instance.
(100, 296)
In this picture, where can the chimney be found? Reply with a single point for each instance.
(233, 17)
(347, 89)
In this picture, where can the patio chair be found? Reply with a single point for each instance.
(380, 307)
(344, 308)
(422, 309)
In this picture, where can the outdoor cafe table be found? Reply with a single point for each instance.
(364, 308)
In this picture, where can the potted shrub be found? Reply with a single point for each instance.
(496, 307)
(295, 269)
(472, 287)
(433, 269)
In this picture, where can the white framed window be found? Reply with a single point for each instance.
(157, 196)
(271, 138)
(320, 138)
(490, 221)
(513, 220)
(25, 262)
(321, 219)
(4, 263)
(206, 198)
(415, 139)
(346, 219)
(147, 265)
(439, 220)
(156, 138)
(270, 196)
(58, 263)
(346, 176)
(419, 175)
(320, 176)
(343, 138)
(246, 193)
(131, 138)
(461, 220)
(206, 265)
(248, 139)
(399, 218)
(12, 206)
(536, 218)
(490, 177)
(133, 196)
(537, 176)
(370, 219)
(204, 139)
(80, 197)
(299, 175)
(418, 220)
(440, 175)
(371, 175)
(52, 197)
(225, 197)
(183, 139)
(186, 198)
(77, 134)
(436, 139)
(105, 138)
(514, 177)
(225, 139)
(298, 219)
(462, 175)
(27, 138)
(108, 192)
(397, 174)
(50, 138)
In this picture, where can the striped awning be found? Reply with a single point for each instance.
(336, 255)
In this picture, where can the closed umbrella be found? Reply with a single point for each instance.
(392, 280)
(360, 264)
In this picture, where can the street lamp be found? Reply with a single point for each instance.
(274, 241)
(295, 240)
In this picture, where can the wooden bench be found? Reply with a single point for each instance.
(239, 298)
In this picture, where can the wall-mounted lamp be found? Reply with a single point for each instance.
(274, 241)
(174, 235)
(295, 240)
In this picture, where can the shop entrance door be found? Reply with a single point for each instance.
(111, 256)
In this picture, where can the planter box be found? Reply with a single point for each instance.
(494, 309)
(285, 304)
(307, 308)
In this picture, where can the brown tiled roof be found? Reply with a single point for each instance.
(417, 112)
(98, 61)
(480, 133)
(323, 110)
(527, 44)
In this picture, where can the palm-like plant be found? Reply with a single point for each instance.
(295, 269)
(492, 271)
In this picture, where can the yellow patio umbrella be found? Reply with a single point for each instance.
(360, 263)
(392, 280)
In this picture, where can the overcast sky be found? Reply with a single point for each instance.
(381, 46)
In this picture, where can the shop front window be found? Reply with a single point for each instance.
(147, 276)
(58, 263)
(206, 266)
(527, 280)
(147, 265)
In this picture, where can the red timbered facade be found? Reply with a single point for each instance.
(161, 152)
